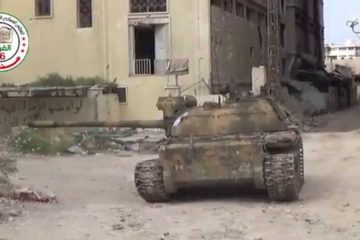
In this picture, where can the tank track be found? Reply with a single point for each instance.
(149, 181)
(282, 177)
(300, 160)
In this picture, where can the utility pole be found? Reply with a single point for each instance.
(274, 48)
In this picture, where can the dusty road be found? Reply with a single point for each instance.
(96, 193)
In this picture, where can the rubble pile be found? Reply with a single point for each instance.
(316, 91)
(118, 141)
(310, 91)
(7, 167)
(84, 142)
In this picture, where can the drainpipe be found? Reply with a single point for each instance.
(199, 43)
(105, 27)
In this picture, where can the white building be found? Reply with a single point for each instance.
(349, 50)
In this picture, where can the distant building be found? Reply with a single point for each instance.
(349, 50)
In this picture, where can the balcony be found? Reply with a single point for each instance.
(160, 67)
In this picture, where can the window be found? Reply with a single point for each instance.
(239, 8)
(149, 46)
(261, 19)
(144, 50)
(250, 14)
(228, 6)
(141, 6)
(84, 8)
(120, 91)
(282, 35)
(43, 8)
(216, 3)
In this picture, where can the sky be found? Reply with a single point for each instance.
(337, 13)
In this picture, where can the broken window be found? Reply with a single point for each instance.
(149, 48)
(239, 8)
(84, 11)
(140, 6)
(43, 8)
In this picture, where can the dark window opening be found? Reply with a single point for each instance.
(251, 52)
(84, 8)
(216, 3)
(144, 50)
(282, 35)
(283, 66)
(260, 37)
(43, 8)
(250, 14)
(239, 8)
(139, 6)
(261, 19)
(121, 92)
(228, 6)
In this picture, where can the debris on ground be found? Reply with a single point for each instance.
(85, 142)
(9, 209)
(30, 195)
(7, 167)
(76, 150)
(117, 227)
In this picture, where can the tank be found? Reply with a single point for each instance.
(238, 143)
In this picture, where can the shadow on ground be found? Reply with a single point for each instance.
(227, 194)
(343, 121)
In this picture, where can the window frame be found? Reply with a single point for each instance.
(239, 9)
(78, 26)
(154, 20)
(147, 13)
(51, 15)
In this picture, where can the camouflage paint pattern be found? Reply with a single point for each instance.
(221, 144)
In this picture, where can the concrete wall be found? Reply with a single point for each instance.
(237, 45)
(57, 45)
(95, 107)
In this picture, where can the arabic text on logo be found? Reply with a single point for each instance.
(14, 42)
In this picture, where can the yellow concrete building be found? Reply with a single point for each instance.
(136, 41)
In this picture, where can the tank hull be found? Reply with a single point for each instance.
(240, 143)
(209, 161)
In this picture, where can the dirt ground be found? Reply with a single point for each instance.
(98, 200)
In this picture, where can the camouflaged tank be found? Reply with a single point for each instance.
(235, 144)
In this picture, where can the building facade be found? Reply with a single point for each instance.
(305, 28)
(215, 43)
(349, 50)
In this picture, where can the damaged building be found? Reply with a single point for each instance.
(149, 45)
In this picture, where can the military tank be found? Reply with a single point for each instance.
(237, 143)
(245, 141)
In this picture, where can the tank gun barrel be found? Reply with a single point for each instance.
(119, 124)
